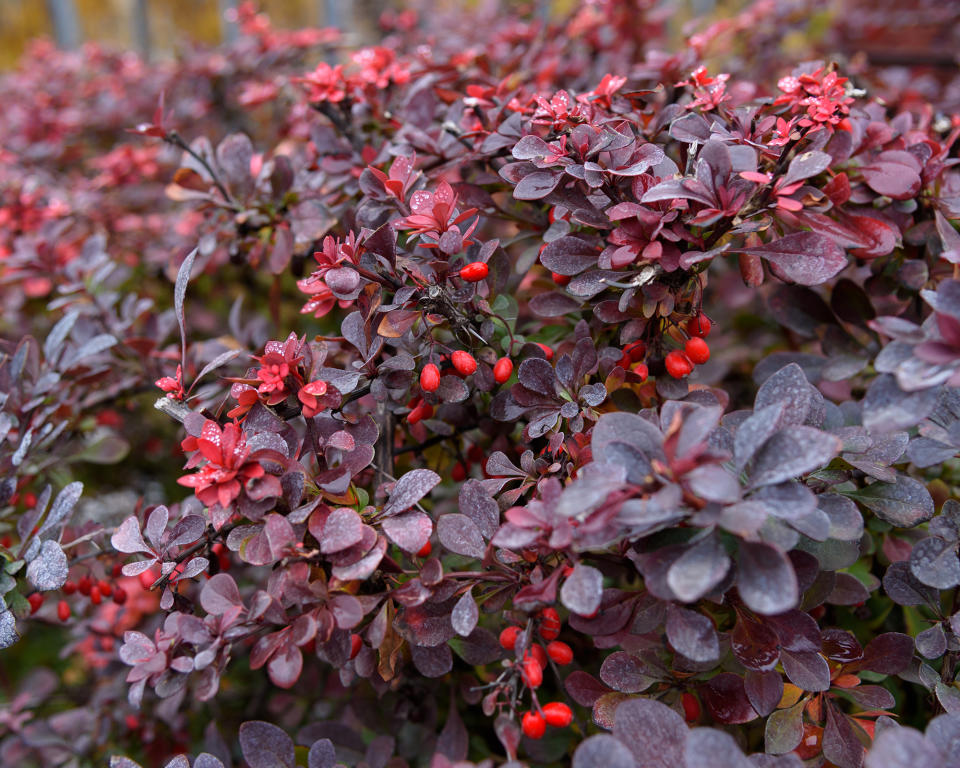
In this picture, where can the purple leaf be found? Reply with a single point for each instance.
(709, 746)
(410, 530)
(840, 744)
(409, 489)
(156, 525)
(698, 570)
(726, 699)
(432, 662)
(127, 538)
(477, 504)
(179, 294)
(460, 534)
(342, 529)
(583, 590)
(902, 748)
(220, 594)
(894, 173)
(625, 673)
(654, 733)
(265, 746)
(904, 503)
(806, 165)
(807, 670)
(584, 688)
(692, 634)
(537, 185)
(807, 258)
(322, 754)
(764, 690)
(603, 749)
(888, 654)
(269, 543)
(766, 579)
(285, 666)
(791, 453)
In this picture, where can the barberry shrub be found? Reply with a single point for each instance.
(511, 392)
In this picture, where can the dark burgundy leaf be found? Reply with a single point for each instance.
(764, 690)
(568, 256)
(460, 534)
(726, 699)
(537, 185)
(266, 746)
(840, 745)
(904, 503)
(807, 258)
(625, 673)
(755, 645)
(584, 688)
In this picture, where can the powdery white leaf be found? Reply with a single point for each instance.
(791, 453)
(127, 538)
(62, 506)
(409, 489)
(8, 628)
(465, 614)
(583, 590)
(322, 754)
(698, 570)
(409, 530)
(935, 563)
(48, 570)
(460, 534)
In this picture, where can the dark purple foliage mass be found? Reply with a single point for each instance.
(512, 392)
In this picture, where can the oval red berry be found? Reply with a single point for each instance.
(557, 714)
(503, 370)
(474, 272)
(546, 350)
(678, 364)
(430, 378)
(63, 610)
(560, 652)
(508, 638)
(464, 362)
(532, 672)
(539, 654)
(697, 350)
(534, 726)
(560, 279)
(699, 326)
(119, 595)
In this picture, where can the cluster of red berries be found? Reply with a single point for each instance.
(94, 590)
(535, 659)
(475, 455)
(696, 351)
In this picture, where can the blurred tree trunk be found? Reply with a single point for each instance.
(63, 19)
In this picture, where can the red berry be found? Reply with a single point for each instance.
(546, 350)
(502, 370)
(508, 638)
(532, 672)
(464, 362)
(95, 596)
(699, 326)
(697, 350)
(641, 370)
(474, 272)
(105, 589)
(355, 645)
(119, 595)
(147, 578)
(549, 624)
(536, 650)
(7, 541)
(459, 472)
(624, 362)
(69, 587)
(107, 643)
(430, 378)
(691, 707)
(560, 279)
(422, 410)
(132, 722)
(560, 652)
(63, 610)
(557, 714)
(637, 350)
(475, 453)
(425, 550)
(534, 726)
(678, 364)
(35, 600)
(117, 570)
(85, 585)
